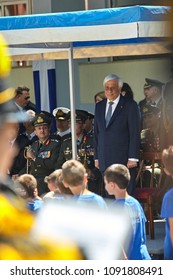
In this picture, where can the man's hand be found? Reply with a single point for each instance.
(131, 163)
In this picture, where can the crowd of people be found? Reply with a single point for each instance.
(37, 162)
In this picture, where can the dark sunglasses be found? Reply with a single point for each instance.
(26, 98)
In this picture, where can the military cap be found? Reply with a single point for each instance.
(150, 109)
(41, 119)
(86, 114)
(61, 113)
(81, 115)
(90, 115)
(152, 83)
(46, 113)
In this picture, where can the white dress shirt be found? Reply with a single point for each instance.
(114, 105)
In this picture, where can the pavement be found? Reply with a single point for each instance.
(156, 246)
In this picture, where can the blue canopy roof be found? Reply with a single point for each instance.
(93, 33)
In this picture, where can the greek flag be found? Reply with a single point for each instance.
(44, 85)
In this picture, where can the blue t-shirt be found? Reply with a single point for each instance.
(34, 205)
(167, 212)
(137, 249)
(91, 199)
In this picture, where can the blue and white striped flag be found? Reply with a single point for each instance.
(44, 85)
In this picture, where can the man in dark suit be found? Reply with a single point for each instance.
(117, 140)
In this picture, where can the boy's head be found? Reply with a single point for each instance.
(73, 173)
(29, 184)
(117, 174)
(167, 159)
(55, 182)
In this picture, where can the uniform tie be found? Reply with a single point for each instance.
(109, 113)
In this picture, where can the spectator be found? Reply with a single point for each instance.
(99, 96)
(117, 178)
(75, 178)
(29, 128)
(56, 186)
(167, 204)
(30, 194)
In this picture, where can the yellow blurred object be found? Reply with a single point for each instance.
(14, 218)
(7, 95)
(20, 248)
(5, 61)
(17, 242)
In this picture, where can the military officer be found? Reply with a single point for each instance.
(88, 125)
(62, 124)
(151, 141)
(85, 152)
(150, 136)
(43, 153)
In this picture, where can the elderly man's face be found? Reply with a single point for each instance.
(112, 89)
(42, 132)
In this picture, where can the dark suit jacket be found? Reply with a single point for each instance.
(121, 139)
(19, 161)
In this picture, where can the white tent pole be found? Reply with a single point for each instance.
(72, 102)
(86, 5)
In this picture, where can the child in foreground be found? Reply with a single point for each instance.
(116, 179)
(167, 204)
(75, 178)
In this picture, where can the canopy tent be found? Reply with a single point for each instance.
(136, 30)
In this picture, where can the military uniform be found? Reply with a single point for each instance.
(44, 155)
(151, 136)
(151, 142)
(85, 154)
(61, 115)
(44, 164)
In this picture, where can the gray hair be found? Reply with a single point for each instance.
(113, 77)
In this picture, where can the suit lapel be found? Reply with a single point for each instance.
(102, 110)
(118, 109)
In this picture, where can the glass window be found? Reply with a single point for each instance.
(15, 8)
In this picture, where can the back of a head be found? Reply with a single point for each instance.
(73, 172)
(57, 180)
(119, 174)
(29, 183)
